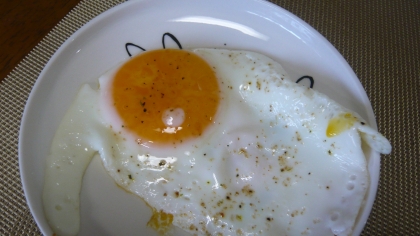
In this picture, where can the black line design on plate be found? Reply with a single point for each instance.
(172, 37)
(133, 45)
(307, 77)
(127, 45)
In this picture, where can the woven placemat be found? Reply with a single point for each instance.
(381, 41)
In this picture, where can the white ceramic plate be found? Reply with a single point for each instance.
(99, 45)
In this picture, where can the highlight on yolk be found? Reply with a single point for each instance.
(166, 95)
(339, 124)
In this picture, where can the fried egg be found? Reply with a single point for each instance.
(216, 142)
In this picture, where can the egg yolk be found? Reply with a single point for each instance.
(166, 96)
(339, 124)
(160, 221)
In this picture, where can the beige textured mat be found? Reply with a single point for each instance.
(380, 40)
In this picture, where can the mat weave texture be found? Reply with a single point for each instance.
(380, 39)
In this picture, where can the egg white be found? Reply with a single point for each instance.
(265, 166)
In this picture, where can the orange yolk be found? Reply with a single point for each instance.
(166, 96)
(339, 124)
